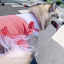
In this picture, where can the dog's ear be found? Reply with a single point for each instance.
(52, 7)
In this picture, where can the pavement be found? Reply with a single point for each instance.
(47, 50)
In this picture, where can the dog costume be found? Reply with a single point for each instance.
(20, 24)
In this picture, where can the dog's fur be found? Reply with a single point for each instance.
(44, 13)
(60, 19)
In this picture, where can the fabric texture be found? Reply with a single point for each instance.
(12, 25)
(28, 17)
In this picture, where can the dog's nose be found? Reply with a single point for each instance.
(63, 23)
(57, 16)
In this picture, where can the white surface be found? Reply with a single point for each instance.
(59, 36)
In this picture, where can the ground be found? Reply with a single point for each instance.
(48, 51)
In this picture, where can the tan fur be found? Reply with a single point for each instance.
(40, 11)
(16, 57)
(42, 14)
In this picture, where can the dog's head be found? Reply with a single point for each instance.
(44, 13)
(59, 20)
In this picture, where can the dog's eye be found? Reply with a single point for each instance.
(53, 15)
(57, 15)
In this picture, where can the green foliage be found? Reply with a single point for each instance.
(58, 2)
(30, 0)
(62, 5)
(50, 1)
(44, 0)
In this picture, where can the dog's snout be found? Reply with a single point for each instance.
(57, 16)
(63, 23)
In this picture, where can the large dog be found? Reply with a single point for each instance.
(28, 24)
(45, 14)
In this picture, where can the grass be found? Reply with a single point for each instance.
(62, 5)
(53, 1)
(50, 1)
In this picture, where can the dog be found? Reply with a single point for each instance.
(45, 14)
(29, 24)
